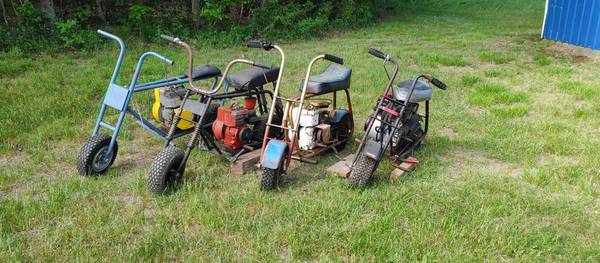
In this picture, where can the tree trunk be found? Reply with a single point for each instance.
(196, 13)
(3, 12)
(101, 10)
(47, 6)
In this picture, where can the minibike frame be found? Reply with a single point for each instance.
(373, 149)
(169, 166)
(277, 153)
(96, 156)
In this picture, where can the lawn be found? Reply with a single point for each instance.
(509, 171)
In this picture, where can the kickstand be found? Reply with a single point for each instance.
(335, 152)
(332, 147)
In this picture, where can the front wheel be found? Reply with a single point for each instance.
(164, 172)
(362, 172)
(92, 158)
(269, 179)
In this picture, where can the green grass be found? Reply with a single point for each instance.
(496, 57)
(489, 94)
(435, 59)
(469, 80)
(509, 169)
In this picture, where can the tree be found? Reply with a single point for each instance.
(101, 10)
(47, 6)
(196, 5)
(3, 12)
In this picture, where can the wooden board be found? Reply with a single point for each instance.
(403, 168)
(342, 168)
(245, 163)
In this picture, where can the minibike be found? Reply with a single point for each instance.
(99, 151)
(229, 130)
(395, 126)
(311, 126)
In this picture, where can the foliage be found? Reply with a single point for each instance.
(221, 22)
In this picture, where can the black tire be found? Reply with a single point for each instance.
(362, 172)
(163, 172)
(90, 160)
(344, 132)
(269, 179)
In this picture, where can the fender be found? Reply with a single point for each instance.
(372, 149)
(339, 114)
(274, 154)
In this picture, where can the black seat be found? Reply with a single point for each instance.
(334, 78)
(204, 72)
(253, 77)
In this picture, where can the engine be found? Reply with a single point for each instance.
(315, 128)
(231, 125)
(167, 103)
(409, 132)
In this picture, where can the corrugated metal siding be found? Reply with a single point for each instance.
(573, 21)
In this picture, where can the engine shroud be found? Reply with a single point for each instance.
(231, 126)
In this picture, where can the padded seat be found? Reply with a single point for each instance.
(334, 78)
(204, 72)
(253, 77)
(422, 91)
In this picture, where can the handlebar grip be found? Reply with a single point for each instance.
(104, 33)
(438, 83)
(264, 44)
(169, 38)
(334, 59)
(377, 53)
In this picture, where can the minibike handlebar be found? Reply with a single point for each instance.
(122, 55)
(266, 45)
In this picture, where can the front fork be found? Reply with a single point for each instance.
(197, 128)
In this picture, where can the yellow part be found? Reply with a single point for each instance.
(185, 115)
(156, 105)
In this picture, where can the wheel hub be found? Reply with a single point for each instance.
(101, 160)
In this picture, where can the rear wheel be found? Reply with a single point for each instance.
(344, 132)
(92, 158)
(362, 172)
(163, 173)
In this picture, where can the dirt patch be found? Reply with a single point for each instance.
(149, 212)
(137, 152)
(575, 53)
(12, 161)
(544, 104)
(448, 133)
(128, 199)
(549, 159)
(458, 70)
(463, 161)
(500, 43)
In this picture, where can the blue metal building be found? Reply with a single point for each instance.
(575, 22)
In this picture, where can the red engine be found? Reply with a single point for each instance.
(231, 126)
